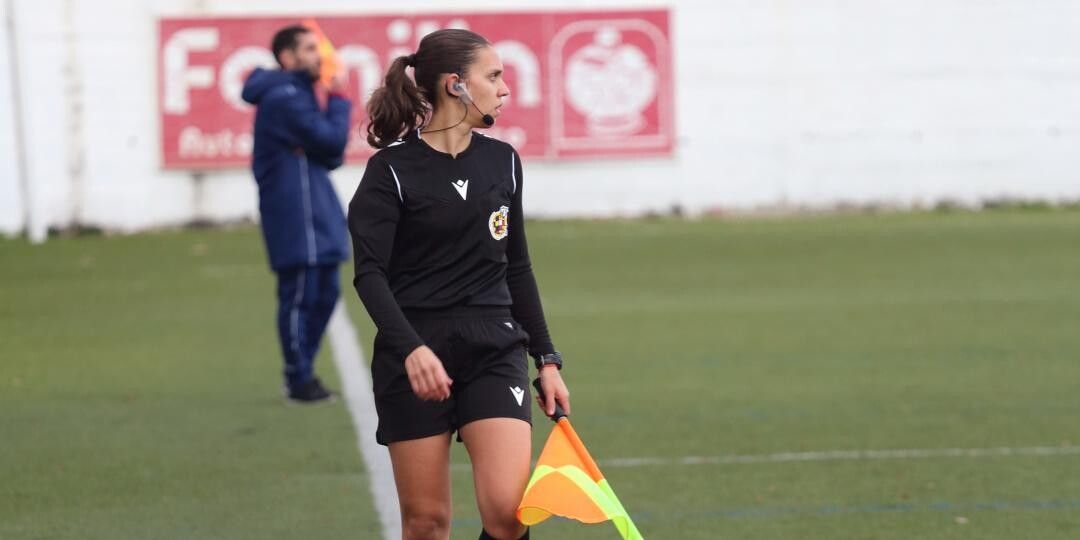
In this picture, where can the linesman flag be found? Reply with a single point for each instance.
(329, 63)
(568, 483)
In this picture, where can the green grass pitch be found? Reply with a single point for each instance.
(140, 391)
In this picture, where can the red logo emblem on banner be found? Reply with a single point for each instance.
(609, 88)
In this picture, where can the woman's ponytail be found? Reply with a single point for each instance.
(397, 107)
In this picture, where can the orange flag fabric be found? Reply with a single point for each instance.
(568, 483)
(330, 64)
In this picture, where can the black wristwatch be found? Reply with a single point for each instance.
(542, 360)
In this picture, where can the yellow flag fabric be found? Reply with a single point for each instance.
(568, 483)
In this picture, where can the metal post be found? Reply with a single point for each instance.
(36, 229)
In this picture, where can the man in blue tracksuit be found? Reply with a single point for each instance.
(297, 144)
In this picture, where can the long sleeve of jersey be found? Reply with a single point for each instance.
(526, 308)
(373, 218)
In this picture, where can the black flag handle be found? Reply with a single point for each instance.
(559, 412)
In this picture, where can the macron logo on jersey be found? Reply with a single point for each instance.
(519, 394)
(461, 186)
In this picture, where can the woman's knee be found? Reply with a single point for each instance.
(425, 524)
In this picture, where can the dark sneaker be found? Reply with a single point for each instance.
(311, 392)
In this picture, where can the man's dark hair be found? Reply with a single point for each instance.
(286, 39)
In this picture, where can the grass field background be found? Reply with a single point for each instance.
(140, 389)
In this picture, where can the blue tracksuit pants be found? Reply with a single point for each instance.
(306, 298)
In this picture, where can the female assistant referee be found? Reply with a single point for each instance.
(443, 269)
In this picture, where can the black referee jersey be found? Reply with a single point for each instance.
(431, 231)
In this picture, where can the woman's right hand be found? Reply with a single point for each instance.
(427, 375)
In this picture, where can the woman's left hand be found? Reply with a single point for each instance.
(554, 391)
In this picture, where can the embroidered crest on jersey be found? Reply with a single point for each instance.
(498, 223)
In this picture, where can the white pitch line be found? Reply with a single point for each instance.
(836, 455)
(849, 455)
(356, 386)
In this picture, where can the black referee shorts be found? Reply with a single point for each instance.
(484, 353)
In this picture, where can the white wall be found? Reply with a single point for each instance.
(799, 102)
(813, 102)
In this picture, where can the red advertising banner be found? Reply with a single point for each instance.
(582, 84)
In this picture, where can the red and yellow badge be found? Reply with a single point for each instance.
(499, 223)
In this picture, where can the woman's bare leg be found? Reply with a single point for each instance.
(422, 476)
(500, 449)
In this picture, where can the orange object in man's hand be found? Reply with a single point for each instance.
(329, 64)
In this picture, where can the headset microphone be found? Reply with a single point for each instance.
(467, 98)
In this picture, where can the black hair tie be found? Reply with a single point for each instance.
(410, 60)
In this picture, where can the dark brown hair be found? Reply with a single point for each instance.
(400, 105)
(286, 39)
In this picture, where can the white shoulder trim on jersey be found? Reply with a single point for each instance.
(396, 143)
(513, 170)
(393, 172)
